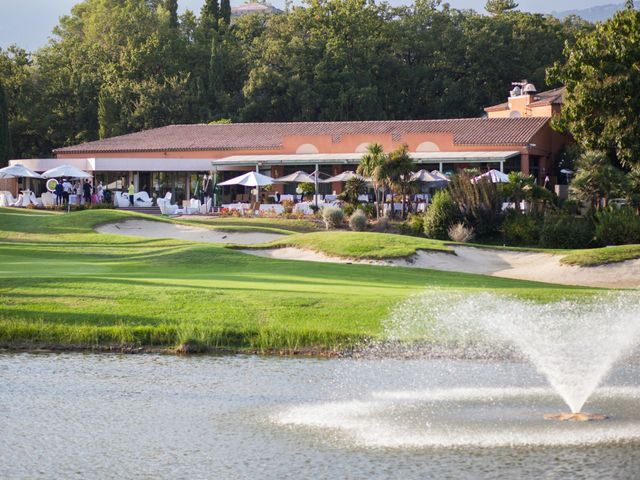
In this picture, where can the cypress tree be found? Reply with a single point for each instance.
(225, 11)
(210, 15)
(172, 8)
(216, 74)
(5, 138)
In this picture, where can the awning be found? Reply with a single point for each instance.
(354, 158)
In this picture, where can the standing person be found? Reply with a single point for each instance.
(66, 186)
(59, 191)
(132, 192)
(100, 192)
(86, 192)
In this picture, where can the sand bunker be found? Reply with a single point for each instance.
(151, 229)
(542, 267)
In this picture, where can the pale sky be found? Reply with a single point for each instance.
(28, 23)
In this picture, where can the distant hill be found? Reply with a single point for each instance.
(593, 14)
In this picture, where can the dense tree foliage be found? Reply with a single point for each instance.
(603, 88)
(5, 139)
(117, 66)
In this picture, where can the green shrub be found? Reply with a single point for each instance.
(333, 217)
(348, 209)
(441, 215)
(358, 221)
(521, 229)
(383, 224)
(459, 232)
(369, 209)
(565, 231)
(413, 225)
(617, 226)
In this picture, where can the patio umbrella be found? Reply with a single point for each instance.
(18, 170)
(494, 176)
(250, 179)
(66, 171)
(440, 175)
(297, 177)
(343, 177)
(431, 180)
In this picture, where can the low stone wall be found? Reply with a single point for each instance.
(10, 185)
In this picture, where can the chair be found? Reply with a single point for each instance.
(142, 199)
(121, 199)
(206, 208)
(48, 199)
(36, 201)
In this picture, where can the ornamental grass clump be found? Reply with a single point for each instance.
(459, 232)
(358, 221)
(333, 217)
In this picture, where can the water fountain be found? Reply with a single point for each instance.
(480, 389)
(573, 343)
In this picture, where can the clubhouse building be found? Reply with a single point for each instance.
(513, 136)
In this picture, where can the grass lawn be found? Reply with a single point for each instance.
(602, 256)
(276, 225)
(361, 245)
(63, 284)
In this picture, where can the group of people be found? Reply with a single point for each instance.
(84, 190)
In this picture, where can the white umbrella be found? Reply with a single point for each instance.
(343, 177)
(440, 176)
(423, 176)
(297, 177)
(494, 176)
(18, 170)
(249, 179)
(66, 171)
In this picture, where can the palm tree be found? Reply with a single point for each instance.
(397, 172)
(370, 166)
(597, 180)
(518, 187)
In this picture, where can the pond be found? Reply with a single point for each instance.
(158, 416)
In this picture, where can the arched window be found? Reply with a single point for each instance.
(307, 148)
(428, 147)
(362, 148)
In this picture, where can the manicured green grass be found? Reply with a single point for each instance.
(602, 256)
(360, 245)
(279, 225)
(63, 284)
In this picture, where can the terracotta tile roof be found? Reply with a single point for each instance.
(265, 136)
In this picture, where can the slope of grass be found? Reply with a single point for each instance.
(63, 284)
(279, 224)
(360, 245)
(602, 256)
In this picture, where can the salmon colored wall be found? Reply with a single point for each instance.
(521, 104)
